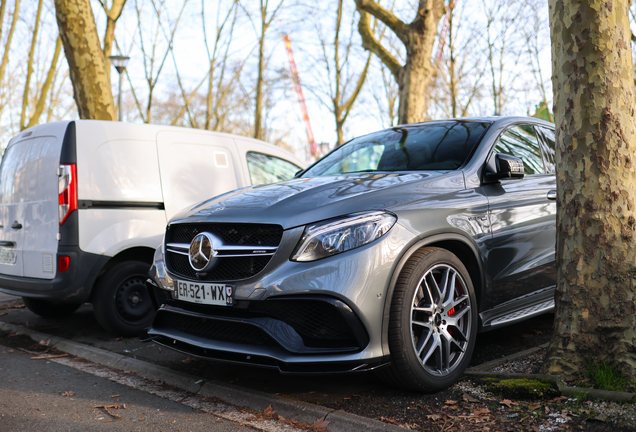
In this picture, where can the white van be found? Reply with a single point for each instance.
(84, 204)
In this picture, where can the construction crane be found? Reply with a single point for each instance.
(313, 148)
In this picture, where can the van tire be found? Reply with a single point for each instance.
(121, 300)
(48, 309)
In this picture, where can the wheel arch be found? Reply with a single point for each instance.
(139, 253)
(464, 248)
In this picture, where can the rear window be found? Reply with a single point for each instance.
(439, 146)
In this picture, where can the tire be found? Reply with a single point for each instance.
(121, 301)
(48, 309)
(433, 323)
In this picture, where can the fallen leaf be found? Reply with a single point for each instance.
(67, 393)
(434, 417)
(547, 410)
(508, 403)
(534, 406)
(321, 424)
(143, 418)
(481, 411)
(388, 420)
(469, 398)
(44, 342)
(269, 412)
(114, 396)
(451, 402)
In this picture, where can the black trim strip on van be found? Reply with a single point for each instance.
(120, 205)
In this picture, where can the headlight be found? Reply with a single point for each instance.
(342, 234)
(161, 275)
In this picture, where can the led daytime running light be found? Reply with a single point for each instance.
(342, 234)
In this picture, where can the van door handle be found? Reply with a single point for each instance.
(7, 243)
(16, 225)
(552, 195)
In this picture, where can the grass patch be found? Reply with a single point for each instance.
(604, 376)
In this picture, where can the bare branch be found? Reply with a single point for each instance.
(369, 42)
(39, 107)
(400, 29)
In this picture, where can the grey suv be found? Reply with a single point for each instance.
(388, 254)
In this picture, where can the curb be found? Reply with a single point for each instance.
(481, 371)
(339, 421)
(498, 362)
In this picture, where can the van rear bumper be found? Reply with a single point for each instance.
(72, 286)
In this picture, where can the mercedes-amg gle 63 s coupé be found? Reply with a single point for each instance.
(390, 254)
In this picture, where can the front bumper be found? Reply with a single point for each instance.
(351, 286)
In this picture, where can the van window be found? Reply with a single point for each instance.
(266, 169)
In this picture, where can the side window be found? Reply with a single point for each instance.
(521, 141)
(547, 140)
(266, 169)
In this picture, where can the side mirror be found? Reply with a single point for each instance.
(508, 167)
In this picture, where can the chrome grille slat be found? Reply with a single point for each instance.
(246, 249)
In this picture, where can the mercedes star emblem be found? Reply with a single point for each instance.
(202, 254)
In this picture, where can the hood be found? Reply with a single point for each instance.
(305, 200)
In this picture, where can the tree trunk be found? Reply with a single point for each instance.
(27, 81)
(258, 112)
(87, 66)
(418, 38)
(414, 79)
(7, 47)
(596, 173)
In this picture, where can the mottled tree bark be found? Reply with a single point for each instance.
(596, 174)
(87, 66)
(418, 37)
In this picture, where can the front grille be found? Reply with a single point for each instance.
(227, 269)
(231, 234)
(223, 331)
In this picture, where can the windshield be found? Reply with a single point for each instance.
(441, 146)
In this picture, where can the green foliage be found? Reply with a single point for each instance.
(542, 112)
(606, 377)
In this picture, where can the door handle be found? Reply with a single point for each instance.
(7, 243)
(16, 225)
(552, 195)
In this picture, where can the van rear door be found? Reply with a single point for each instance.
(29, 208)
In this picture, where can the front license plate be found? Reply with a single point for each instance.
(204, 293)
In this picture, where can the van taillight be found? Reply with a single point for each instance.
(67, 187)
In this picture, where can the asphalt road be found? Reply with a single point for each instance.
(41, 395)
(324, 389)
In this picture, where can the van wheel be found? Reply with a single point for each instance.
(121, 300)
(47, 309)
(433, 322)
